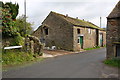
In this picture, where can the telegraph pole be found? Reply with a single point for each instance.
(25, 13)
(25, 25)
(100, 21)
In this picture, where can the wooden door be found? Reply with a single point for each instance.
(81, 41)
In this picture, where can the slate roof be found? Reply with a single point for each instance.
(77, 22)
(115, 12)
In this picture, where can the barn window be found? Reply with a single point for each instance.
(89, 31)
(78, 31)
(46, 31)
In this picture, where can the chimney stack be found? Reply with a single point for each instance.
(76, 17)
(66, 15)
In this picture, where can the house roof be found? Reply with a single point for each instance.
(115, 12)
(77, 22)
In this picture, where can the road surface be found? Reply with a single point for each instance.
(87, 64)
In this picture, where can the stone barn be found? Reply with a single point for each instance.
(69, 33)
(113, 33)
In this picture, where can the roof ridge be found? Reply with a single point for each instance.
(65, 16)
(77, 21)
(115, 12)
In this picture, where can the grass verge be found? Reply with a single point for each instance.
(92, 48)
(17, 57)
(113, 62)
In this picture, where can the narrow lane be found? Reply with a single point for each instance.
(80, 65)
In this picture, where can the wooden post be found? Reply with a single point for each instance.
(32, 47)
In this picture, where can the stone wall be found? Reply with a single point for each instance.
(113, 32)
(34, 45)
(37, 33)
(113, 35)
(89, 38)
(60, 33)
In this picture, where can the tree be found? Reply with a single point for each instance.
(8, 25)
(20, 25)
(14, 9)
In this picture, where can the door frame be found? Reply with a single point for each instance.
(81, 45)
(116, 52)
(101, 39)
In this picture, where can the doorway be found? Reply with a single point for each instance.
(118, 50)
(81, 41)
(101, 39)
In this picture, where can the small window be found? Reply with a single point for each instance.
(89, 31)
(46, 31)
(78, 31)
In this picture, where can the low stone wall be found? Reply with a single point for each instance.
(34, 45)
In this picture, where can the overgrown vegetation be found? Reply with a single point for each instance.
(20, 25)
(13, 34)
(12, 27)
(92, 48)
(14, 9)
(15, 57)
(8, 24)
(113, 62)
(18, 40)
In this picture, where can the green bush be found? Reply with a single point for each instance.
(17, 40)
(113, 62)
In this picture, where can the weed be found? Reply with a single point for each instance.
(113, 62)
(96, 47)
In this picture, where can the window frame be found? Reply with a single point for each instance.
(46, 31)
(78, 31)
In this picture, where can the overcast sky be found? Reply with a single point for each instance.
(89, 10)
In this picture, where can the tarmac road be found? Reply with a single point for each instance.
(79, 65)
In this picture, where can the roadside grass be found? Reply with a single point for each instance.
(17, 57)
(113, 62)
(92, 48)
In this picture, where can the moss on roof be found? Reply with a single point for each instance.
(78, 22)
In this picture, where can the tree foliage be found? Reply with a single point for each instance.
(20, 24)
(8, 25)
(14, 9)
